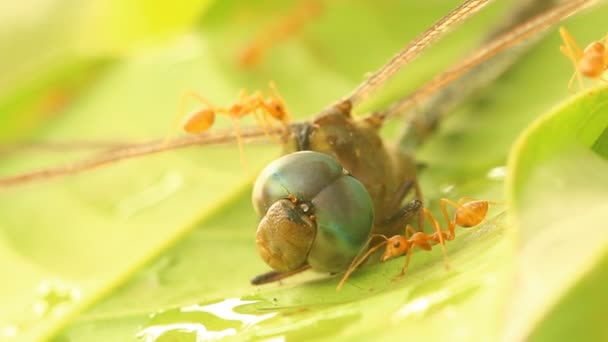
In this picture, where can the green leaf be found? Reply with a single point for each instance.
(93, 256)
(557, 187)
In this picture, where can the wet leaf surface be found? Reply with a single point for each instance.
(163, 246)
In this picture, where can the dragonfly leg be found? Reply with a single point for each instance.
(404, 214)
(273, 276)
(400, 218)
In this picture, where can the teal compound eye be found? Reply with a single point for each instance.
(312, 213)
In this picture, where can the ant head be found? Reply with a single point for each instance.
(593, 64)
(199, 121)
(275, 108)
(395, 246)
(595, 48)
(275, 105)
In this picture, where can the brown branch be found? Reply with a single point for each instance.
(133, 151)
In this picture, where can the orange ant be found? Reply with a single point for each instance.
(469, 213)
(591, 62)
(264, 108)
(293, 22)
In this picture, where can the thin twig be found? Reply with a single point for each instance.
(61, 146)
(138, 150)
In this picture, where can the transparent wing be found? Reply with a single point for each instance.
(517, 35)
(414, 48)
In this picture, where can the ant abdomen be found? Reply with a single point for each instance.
(471, 214)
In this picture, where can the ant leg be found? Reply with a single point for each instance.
(408, 257)
(451, 223)
(409, 231)
(570, 42)
(239, 141)
(464, 200)
(290, 24)
(571, 80)
(272, 276)
(357, 261)
(573, 52)
(264, 124)
(261, 113)
(439, 233)
(181, 110)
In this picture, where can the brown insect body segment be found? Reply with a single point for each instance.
(357, 145)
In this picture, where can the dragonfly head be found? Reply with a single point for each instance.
(312, 212)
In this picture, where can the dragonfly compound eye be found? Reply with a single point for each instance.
(326, 226)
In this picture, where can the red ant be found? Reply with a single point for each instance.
(469, 213)
(293, 22)
(264, 108)
(591, 62)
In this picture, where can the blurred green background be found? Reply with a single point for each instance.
(161, 247)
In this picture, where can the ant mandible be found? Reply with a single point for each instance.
(264, 108)
(469, 213)
(591, 62)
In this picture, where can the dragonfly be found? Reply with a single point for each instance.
(123, 151)
(134, 205)
(119, 151)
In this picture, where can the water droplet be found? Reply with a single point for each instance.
(421, 305)
(150, 196)
(275, 339)
(53, 298)
(225, 310)
(497, 173)
(446, 189)
(203, 322)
